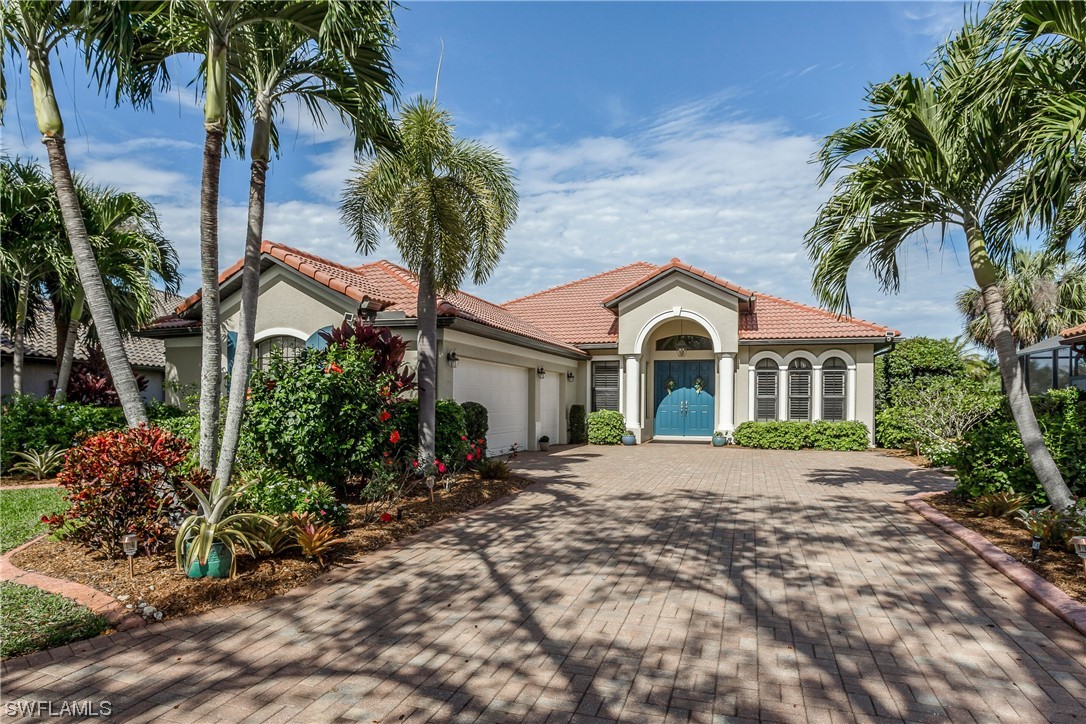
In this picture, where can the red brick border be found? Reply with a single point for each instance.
(32, 486)
(99, 603)
(1050, 595)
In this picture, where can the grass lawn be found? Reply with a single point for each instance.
(21, 512)
(33, 619)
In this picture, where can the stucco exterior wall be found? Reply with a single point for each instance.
(290, 305)
(40, 375)
(182, 369)
(720, 309)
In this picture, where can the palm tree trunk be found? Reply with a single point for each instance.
(94, 288)
(19, 335)
(67, 356)
(211, 347)
(250, 293)
(426, 358)
(1059, 496)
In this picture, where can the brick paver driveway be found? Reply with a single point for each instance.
(630, 583)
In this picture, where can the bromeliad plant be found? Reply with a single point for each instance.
(40, 464)
(211, 525)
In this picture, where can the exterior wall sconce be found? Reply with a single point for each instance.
(540, 372)
(569, 376)
(452, 359)
(1079, 542)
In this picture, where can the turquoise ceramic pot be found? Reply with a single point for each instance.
(219, 561)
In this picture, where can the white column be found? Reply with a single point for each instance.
(750, 391)
(816, 393)
(633, 391)
(725, 392)
(851, 393)
(622, 388)
(782, 393)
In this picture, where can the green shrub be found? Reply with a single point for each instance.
(451, 444)
(493, 469)
(799, 434)
(274, 493)
(998, 505)
(32, 423)
(992, 458)
(933, 410)
(606, 427)
(325, 415)
(578, 425)
(476, 422)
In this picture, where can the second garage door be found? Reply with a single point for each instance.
(503, 390)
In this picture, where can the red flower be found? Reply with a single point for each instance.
(441, 467)
(394, 437)
(385, 415)
(333, 367)
(463, 437)
(414, 463)
(386, 517)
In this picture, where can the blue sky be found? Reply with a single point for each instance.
(638, 131)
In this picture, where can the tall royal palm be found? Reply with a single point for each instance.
(206, 28)
(272, 64)
(446, 203)
(920, 162)
(36, 27)
(1041, 296)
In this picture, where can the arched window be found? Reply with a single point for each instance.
(765, 390)
(834, 375)
(799, 390)
(290, 347)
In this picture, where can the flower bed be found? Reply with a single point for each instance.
(1059, 567)
(158, 583)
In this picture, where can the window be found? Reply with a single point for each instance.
(799, 390)
(1039, 369)
(834, 374)
(765, 390)
(604, 386)
(690, 341)
(291, 348)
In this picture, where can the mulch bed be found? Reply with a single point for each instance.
(158, 583)
(20, 481)
(1059, 567)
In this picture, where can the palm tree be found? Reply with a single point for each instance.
(134, 258)
(920, 161)
(206, 28)
(273, 63)
(37, 27)
(1041, 295)
(29, 251)
(446, 203)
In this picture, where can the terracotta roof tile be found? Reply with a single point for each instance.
(574, 312)
(776, 318)
(1072, 332)
(677, 264)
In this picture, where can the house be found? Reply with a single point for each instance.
(1056, 362)
(147, 356)
(678, 351)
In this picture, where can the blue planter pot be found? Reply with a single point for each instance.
(720, 441)
(629, 440)
(219, 561)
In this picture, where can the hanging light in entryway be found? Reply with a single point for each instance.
(681, 346)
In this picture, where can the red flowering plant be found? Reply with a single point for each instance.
(125, 481)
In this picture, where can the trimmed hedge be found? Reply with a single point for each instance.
(606, 427)
(451, 437)
(477, 422)
(992, 458)
(578, 425)
(799, 434)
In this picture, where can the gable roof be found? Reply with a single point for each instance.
(673, 267)
(576, 312)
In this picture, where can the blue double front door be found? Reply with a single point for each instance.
(684, 398)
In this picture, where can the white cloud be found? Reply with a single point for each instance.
(934, 20)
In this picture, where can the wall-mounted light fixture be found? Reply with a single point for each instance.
(540, 372)
(452, 359)
(569, 376)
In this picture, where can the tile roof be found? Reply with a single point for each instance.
(142, 352)
(677, 265)
(1074, 332)
(574, 311)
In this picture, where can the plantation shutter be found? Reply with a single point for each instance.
(604, 386)
(833, 395)
(799, 395)
(765, 393)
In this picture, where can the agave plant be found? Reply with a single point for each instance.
(200, 531)
(40, 463)
(999, 505)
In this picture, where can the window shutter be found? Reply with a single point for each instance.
(765, 393)
(833, 395)
(604, 386)
(799, 396)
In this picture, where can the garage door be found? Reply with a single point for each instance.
(548, 407)
(503, 391)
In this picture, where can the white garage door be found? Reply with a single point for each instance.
(548, 407)
(503, 391)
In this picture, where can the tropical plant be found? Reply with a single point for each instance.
(274, 493)
(210, 525)
(1041, 295)
(921, 161)
(998, 505)
(1047, 525)
(446, 203)
(36, 28)
(269, 536)
(40, 463)
(316, 539)
(35, 423)
(493, 469)
(476, 424)
(935, 409)
(273, 63)
(606, 427)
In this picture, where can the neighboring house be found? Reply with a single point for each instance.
(147, 356)
(1056, 362)
(678, 351)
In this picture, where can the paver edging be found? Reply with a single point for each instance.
(98, 602)
(32, 486)
(1047, 593)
